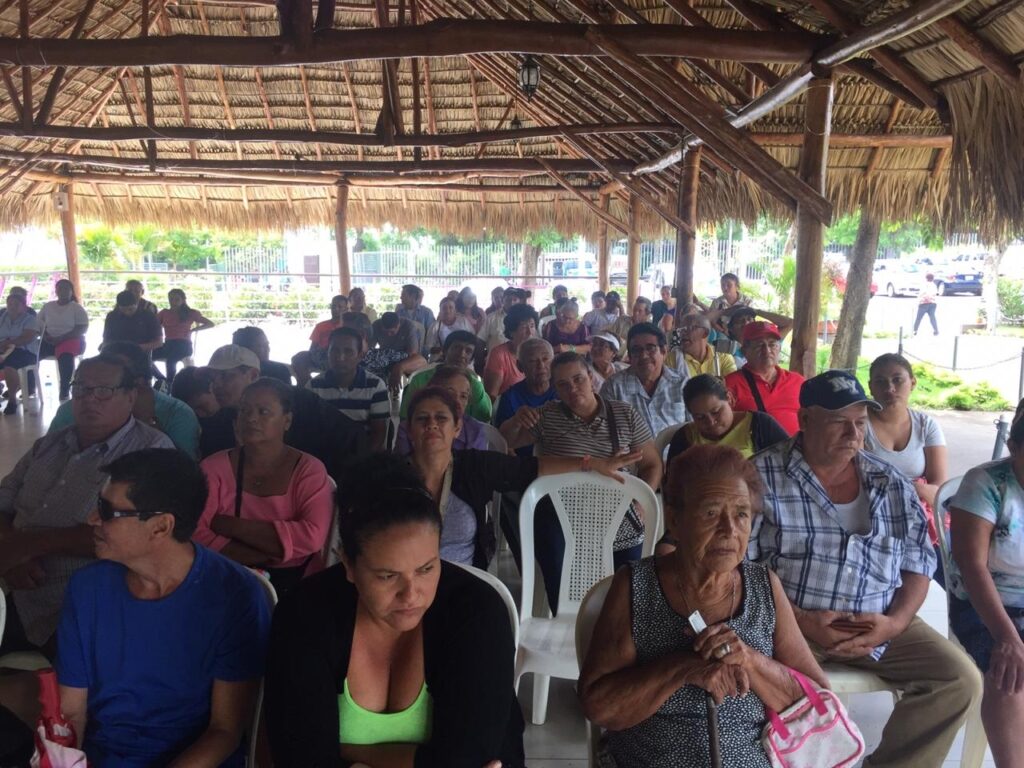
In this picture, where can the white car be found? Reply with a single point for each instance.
(894, 278)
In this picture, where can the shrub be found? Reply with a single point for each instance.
(1011, 300)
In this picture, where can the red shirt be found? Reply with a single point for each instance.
(321, 332)
(781, 398)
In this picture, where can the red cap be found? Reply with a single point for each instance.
(760, 329)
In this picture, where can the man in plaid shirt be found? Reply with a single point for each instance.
(846, 535)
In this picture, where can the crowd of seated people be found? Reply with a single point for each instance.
(798, 512)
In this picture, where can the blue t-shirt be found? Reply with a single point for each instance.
(515, 398)
(149, 665)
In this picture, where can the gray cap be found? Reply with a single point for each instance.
(233, 356)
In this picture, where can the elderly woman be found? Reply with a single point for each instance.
(463, 482)
(582, 424)
(448, 320)
(604, 348)
(910, 440)
(270, 506)
(19, 345)
(394, 657)
(567, 333)
(502, 368)
(986, 609)
(647, 675)
(715, 422)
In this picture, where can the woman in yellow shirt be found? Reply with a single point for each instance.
(714, 421)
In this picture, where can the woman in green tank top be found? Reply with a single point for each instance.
(392, 658)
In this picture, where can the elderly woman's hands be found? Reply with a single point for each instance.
(720, 680)
(720, 643)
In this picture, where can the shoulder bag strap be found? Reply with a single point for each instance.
(753, 389)
(613, 428)
(239, 474)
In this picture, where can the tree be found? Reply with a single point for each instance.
(846, 347)
(99, 247)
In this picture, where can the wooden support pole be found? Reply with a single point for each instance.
(341, 240)
(67, 226)
(810, 231)
(603, 251)
(26, 73)
(442, 37)
(633, 256)
(686, 240)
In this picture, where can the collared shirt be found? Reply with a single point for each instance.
(422, 315)
(139, 328)
(479, 401)
(718, 364)
(11, 328)
(365, 399)
(662, 409)
(55, 485)
(173, 417)
(493, 330)
(781, 398)
(822, 566)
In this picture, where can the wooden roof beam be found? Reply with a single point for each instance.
(876, 153)
(597, 210)
(442, 37)
(977, 47)
(996, 12)
(58, 74)
(885, 56)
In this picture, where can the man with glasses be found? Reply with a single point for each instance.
(161, 643)
(695, 353)
(46, 499)
(654, 389)
(761, 384)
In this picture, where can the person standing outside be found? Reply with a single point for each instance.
(926, 304)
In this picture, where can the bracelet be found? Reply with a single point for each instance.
(572, 347)
(585, 464)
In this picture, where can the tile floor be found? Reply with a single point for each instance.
(561, 741)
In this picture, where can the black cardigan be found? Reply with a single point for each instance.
(469, 667)
(765, 432)
(477, 476)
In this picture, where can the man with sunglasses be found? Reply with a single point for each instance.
(161, 643)
(46, 500)
(654, 389)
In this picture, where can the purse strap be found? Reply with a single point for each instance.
(812, 696)
(752, 382)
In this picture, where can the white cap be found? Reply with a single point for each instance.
(233, 356)
(608, 336)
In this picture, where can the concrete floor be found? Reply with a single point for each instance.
(560, 742)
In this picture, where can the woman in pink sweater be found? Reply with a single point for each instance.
(270, 506)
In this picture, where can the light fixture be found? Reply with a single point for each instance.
(529, 76)
(516, 123)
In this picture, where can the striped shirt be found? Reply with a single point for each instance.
(365, 400)
(664, 408)
(560, 432)
(822, 566)
(55, 485)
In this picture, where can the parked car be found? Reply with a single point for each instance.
(963, 274)
(896, 278)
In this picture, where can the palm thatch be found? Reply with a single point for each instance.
(978, 184)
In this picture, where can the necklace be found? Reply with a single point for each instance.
(686, 605)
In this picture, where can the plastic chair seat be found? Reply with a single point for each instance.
(548, 646)
(844, 679)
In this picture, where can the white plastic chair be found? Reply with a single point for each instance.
(586, 620)
(254, 730)
(664, 437)
(502, 590)
(975, 741)
(32, 403)
(590, 508)
(544, 321)
(25, 661)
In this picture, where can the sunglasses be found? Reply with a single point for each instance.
(107, 512)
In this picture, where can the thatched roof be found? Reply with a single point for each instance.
(975, 182)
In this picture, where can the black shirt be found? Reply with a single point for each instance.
(138, 328)
(468, 659)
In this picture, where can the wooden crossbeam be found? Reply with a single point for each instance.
(974, 45)
(58, 74)
(598, 211)
(442, 37)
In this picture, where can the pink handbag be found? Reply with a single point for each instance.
(815, 732)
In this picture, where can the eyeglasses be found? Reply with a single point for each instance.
(648, 349)
(107, 512)
(81, 391)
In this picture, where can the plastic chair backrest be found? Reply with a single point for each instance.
(664, 437)
(590, 507)
(331, 552)
(254, 731)
(586, 621)
(941, 512)
(495, 440)
(544, 321)
(503, 593)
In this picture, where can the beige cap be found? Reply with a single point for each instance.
(233, 356)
